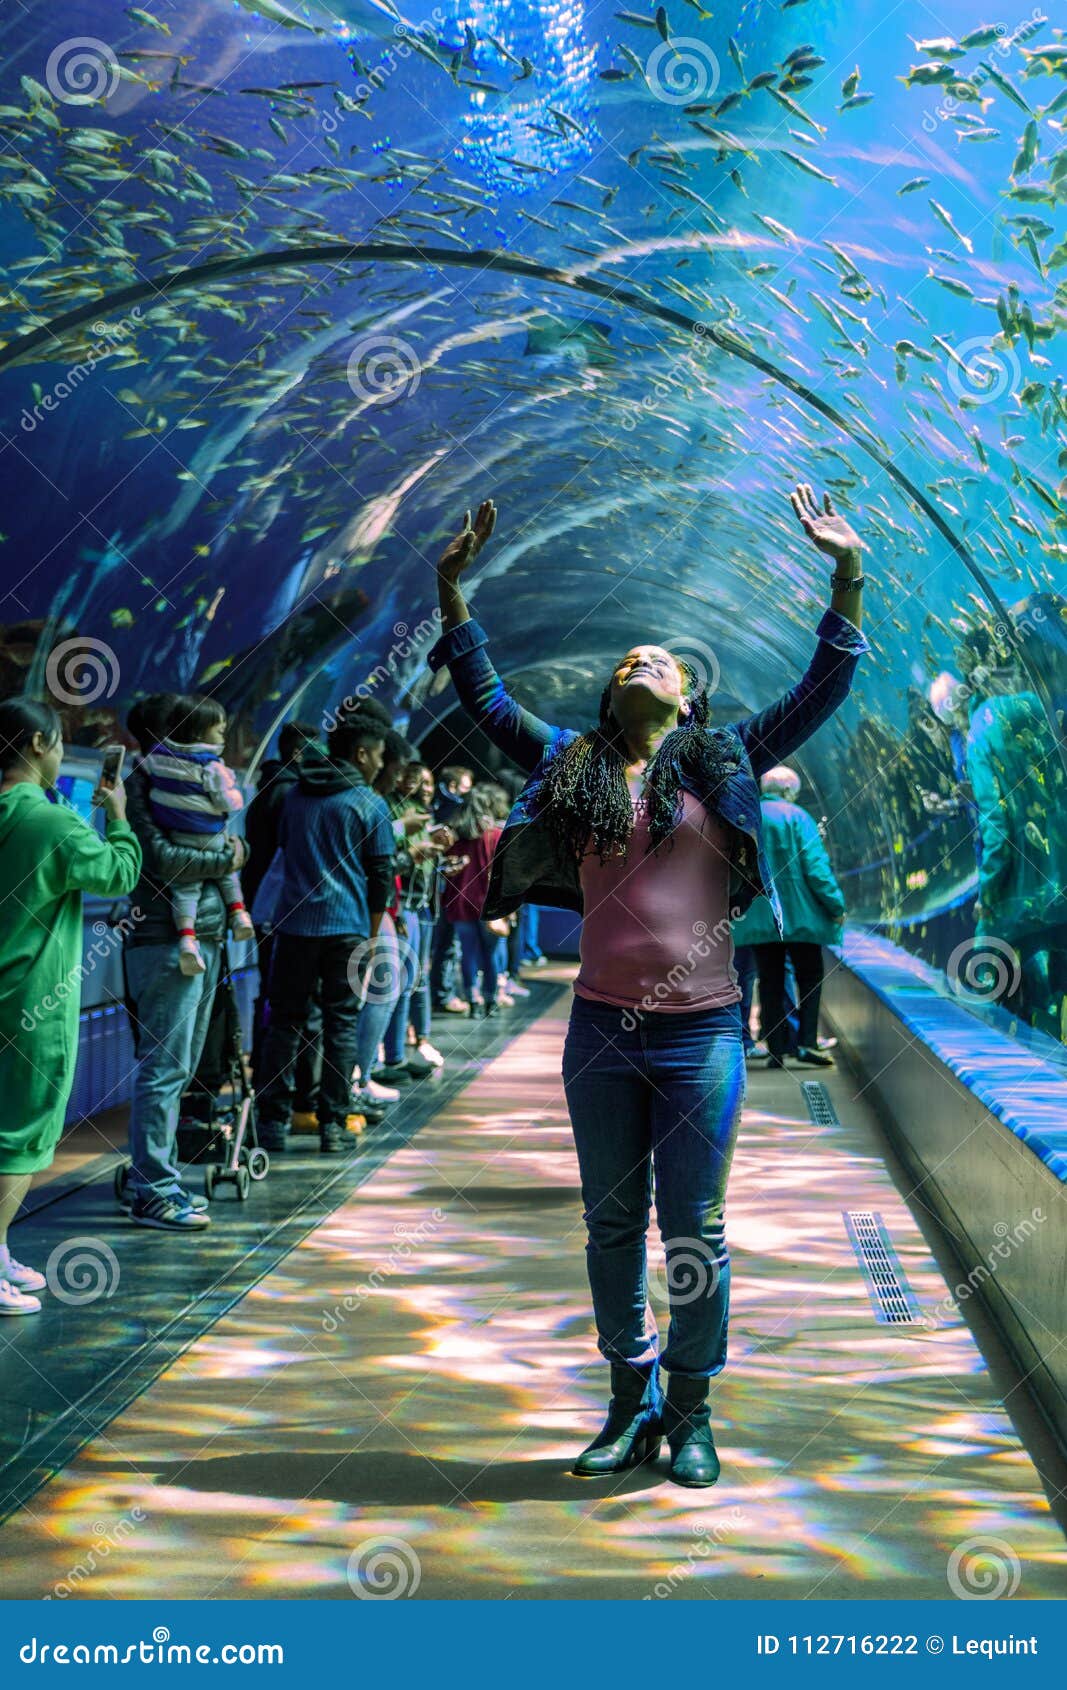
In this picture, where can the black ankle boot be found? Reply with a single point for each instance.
(685, 1420)
(634, 1426)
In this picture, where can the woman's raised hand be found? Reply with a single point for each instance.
(462, 551)
(832, 533)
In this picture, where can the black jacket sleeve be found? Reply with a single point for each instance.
(380, 883)
(262, 824)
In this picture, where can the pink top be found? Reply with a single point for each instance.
(463, 893)
(656, 931)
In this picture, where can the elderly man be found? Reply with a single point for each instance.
(813, 908)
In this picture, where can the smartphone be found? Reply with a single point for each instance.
(111, 768)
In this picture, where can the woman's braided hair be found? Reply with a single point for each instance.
(585, 803)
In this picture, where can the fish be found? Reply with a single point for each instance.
(960, 289)
(984, 36)
(274, 12)
(778, 230)
(633, 61)
(808, 168)
(935, 73)
(943, 217)
(147, 19)
(1006, 86)
(797, 111)
(1029, 147)
(940, 47)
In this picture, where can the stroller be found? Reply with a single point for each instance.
(217, 1113)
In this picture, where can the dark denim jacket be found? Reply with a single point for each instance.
(527, 868)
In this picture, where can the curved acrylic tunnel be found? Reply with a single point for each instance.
(253, 475)
(289, 287)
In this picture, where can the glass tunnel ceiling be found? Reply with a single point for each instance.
(779, 243)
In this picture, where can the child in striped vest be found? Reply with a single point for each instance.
(192, 795)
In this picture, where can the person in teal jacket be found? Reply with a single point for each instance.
(1020, 796)
(49, 856)
(813, 909)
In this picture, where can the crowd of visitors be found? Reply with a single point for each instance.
(350, 847)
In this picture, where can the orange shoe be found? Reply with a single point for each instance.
(355, 1123)
(304, 1122)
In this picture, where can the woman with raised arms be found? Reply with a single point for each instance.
(649, 825)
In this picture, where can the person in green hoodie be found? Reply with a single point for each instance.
(49, 856)
(813, 908)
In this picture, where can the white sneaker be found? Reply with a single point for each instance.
(22, 1278)
(430, 1053)
(379, 1093)
(14, 1301)
(190, 958)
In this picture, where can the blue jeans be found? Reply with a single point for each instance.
(409, 973)
(442, 961)
(746, 971)
(479, 952)
(667, 1097)
(529, 930)
(173, 1011)
(420, 997)
(382, 979)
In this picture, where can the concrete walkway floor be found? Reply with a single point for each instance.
(393, 1409)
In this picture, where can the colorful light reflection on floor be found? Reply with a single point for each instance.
(422, 1369)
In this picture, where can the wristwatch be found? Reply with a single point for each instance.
(846, 583)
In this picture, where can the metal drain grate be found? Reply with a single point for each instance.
(820, 1108)
(891, 1296)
